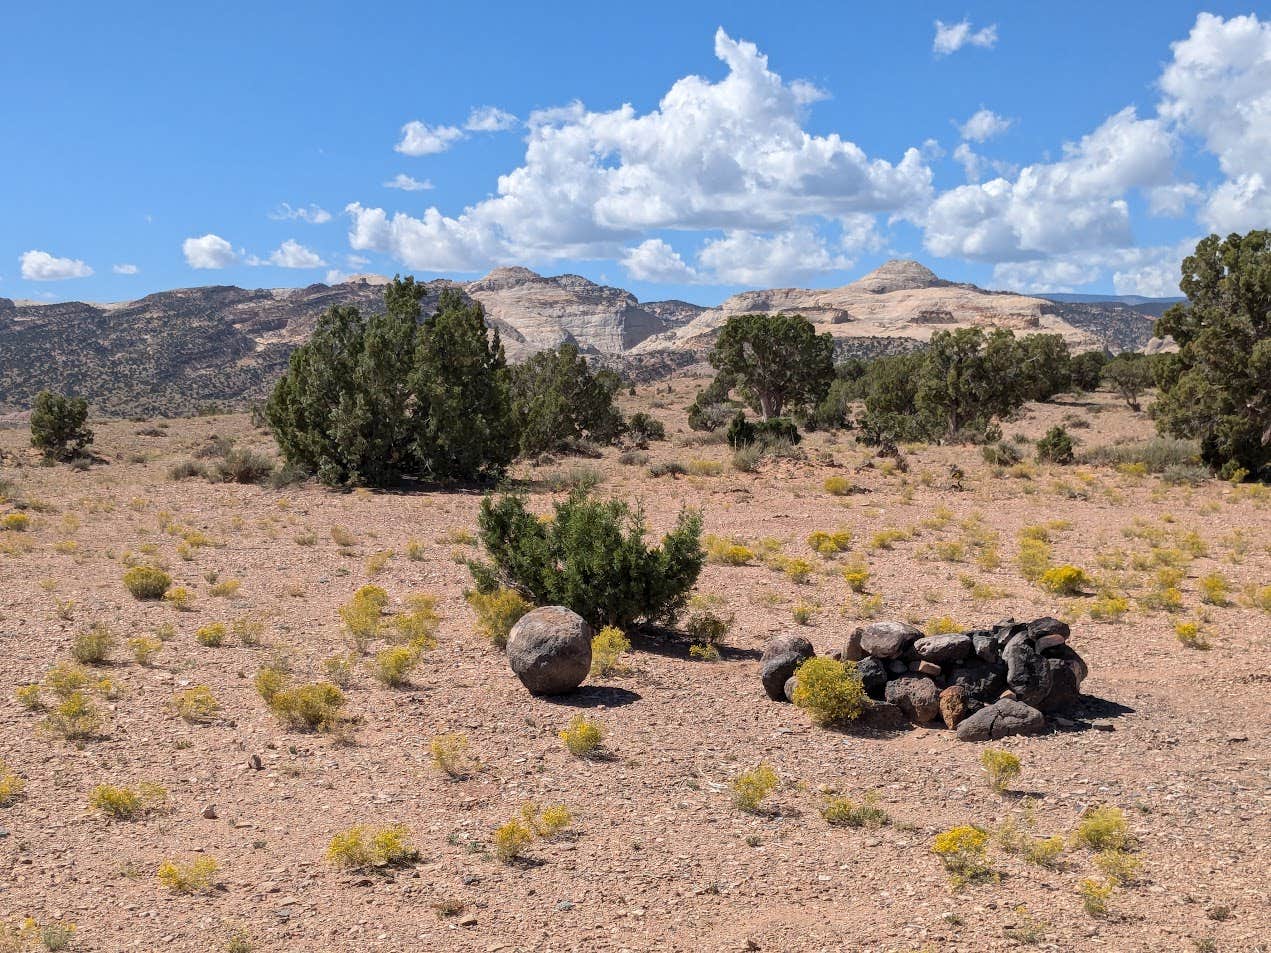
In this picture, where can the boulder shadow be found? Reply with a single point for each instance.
(593, 696)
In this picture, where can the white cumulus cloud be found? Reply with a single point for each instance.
(951, 37)
(984, 125)
(1077, 202)
(730, 155)
(407, 183)
(490, 119)
(421, 139)
(291, 254)
(41, 266)
(1217, 87)
(785, 258)
(208, 252)
(655, 260)
(313, 214)
(125, 269)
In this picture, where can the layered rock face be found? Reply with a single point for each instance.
(547, 312)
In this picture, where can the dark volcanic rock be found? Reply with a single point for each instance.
(782, 656)
(916, 696)
(1027, 673)
(883, 716)
(873, 677)
(1065, 689)
(1007, 717)
(982, 681)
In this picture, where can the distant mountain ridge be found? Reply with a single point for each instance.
(175, 351)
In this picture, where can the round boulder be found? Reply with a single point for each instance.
(916, 696)
(888, 639)
(954, 705)
(549, 649)
(943, 649)
(783, 655)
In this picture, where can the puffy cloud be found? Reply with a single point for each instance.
(951, 37)
(785, 258)
(984, 125)
(208, 252)
(41, 266)
(1054, 274)
(730, 155)
(655, 260)
(313, 214)
(1053, 208)
(407, 183)
(1173, 199)
(490, 119)
(291, 254)
(125, 269)
(421, 139)
(1218, 87)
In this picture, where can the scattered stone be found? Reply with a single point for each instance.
(781, 657)
(954, 705)
(549, 649)
(944, 649)
(916, 696)
(888, 639)
(1001, 720)
(255, 763)
(210, 812)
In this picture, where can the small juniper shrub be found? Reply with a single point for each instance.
(607, 648)
(1055, 447)
(449, 752)
(752, 786)
(829, 691)
(196, 705)
(147, 582)
(963, 852)
(92, 646)
(843, 812)
(1000, 768)
(583, 737)
(360, 847)
(497, 612)
(190, 877)
(128, 804)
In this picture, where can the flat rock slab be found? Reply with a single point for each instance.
(1001, 720)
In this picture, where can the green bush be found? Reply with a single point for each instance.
(1055, 447)
(1001, 454)
(643, 428)
(1129, 375)
(368, 400)
(556, 401)
(57, 425)
(590, 557)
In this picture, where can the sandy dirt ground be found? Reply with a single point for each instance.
(659, 857)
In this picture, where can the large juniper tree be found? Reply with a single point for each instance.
(1217, 389)
(778, 361)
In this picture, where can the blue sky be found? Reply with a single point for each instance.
(676, 149)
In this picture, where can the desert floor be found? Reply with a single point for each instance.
(659, 857)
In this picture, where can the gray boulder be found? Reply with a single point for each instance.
(943, 649)
(1007, 717)
(888, 639)
(1027, 672)
(549, 649)
(916, 696)
(783, 655)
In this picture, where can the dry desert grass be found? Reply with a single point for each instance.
(656, 854)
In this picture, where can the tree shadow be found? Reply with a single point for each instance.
(593, 696)
(672, 643)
